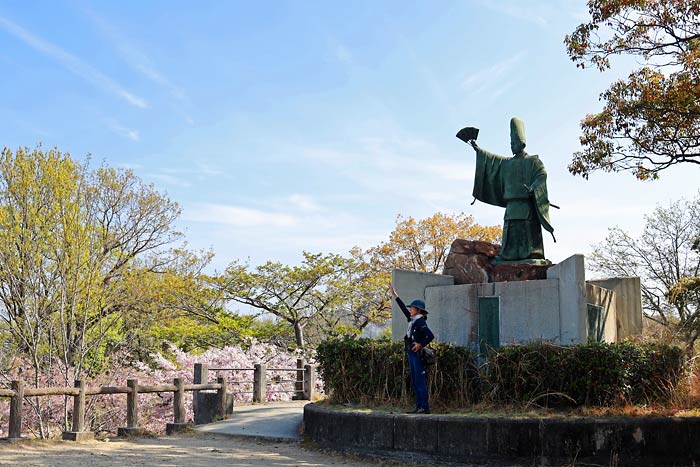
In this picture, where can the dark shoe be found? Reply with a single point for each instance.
(423, 411)
(414, 411)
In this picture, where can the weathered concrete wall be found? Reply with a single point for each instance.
(553, 310)
(454, 312)
(529, 311)
(410, 285)
(606, 299)
(628, 303)
(633, 441)
(571, 274)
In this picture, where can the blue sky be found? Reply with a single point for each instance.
(288, 126)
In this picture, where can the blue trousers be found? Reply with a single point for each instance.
(420, 388)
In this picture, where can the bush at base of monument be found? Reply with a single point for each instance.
(376, 371)
(596, 374)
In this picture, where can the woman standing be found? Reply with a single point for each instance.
(418, 336)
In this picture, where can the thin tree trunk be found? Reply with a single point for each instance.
(299, 334)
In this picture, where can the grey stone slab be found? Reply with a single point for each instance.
(628, 303)
(451, 318)
(571, 274)
(411, 285)
(529, 311)
(607, 300)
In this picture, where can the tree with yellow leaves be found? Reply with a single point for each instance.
(651, 120)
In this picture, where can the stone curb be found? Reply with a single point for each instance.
(633, 441)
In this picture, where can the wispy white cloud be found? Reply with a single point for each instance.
(134, 56)
(122, 130)
(72, 63)
(489, 80)
(237, 216)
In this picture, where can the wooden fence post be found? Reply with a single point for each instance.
(179, 401)
(309, 382)
(201, 376)
(132, 411)
(259, 382)
(78, 432)
(15, 431)
(299, 383)
(179, 423)
(132, 404)
(221, 398)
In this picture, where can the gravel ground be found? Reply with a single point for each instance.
(184, 450)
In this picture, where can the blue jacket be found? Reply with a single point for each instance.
(420, 332)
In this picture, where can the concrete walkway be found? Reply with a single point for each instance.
(275, 420)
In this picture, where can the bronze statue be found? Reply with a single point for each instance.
(519, 184)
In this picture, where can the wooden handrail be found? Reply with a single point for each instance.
(96, 391)
(17, 392)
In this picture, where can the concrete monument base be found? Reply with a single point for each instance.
(560, 308)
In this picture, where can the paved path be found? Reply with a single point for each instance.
(277, 420)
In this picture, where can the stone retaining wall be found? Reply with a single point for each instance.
(634, 441)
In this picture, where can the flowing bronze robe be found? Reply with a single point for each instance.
(518, 184)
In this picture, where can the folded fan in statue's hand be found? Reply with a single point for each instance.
(468, 134)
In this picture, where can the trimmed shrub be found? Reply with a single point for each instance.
(597, 374)
(594, 374)
(376, 370)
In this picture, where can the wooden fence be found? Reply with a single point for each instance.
(304, 380)
(304, 389)
(18, 392)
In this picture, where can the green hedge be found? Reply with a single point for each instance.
(376, 370)
(596, 374)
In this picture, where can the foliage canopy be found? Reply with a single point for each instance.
(651, 120)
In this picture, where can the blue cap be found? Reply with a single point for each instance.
(420, 304)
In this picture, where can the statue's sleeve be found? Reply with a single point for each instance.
(488, 178)
(539, 190)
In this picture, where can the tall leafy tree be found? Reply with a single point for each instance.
(651, 119)
(300, 295)
(69, 238)
(664, 259)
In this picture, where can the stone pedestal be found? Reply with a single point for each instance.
(518, 272)
(469, 262)
(78, 436)
(472, 262)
